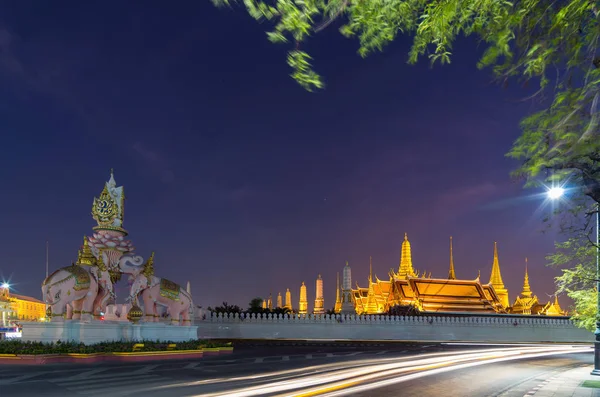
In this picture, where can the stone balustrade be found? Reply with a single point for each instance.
(488, 328)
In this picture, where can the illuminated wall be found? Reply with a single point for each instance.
(24, 307)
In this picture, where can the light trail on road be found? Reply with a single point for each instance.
(356, 386)
(343, 378)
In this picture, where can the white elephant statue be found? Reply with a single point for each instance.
(72, 285)
(155, 290)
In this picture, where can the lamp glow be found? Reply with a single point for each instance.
(5, 285)
(556, 193)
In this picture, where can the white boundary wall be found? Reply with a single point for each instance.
(414, 328)
(105, 331)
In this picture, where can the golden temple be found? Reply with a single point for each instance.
(409, 290)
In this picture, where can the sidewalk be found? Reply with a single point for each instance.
(572, 383)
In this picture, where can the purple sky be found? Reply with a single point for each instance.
(242, 182)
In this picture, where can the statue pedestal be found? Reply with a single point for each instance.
(105, 331)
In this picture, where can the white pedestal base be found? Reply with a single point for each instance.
(105, 331)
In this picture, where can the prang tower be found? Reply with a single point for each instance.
(303, 303)
(347, 304)
(319, 309)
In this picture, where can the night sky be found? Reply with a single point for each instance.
(242, 182)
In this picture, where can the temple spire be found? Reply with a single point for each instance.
(338, 298)
(303, 303)
(406, 266)
(370, 269)
(451, 273)
(496, 279)
(526, 288)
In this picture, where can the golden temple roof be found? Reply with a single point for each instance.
(441, 295)
(553, 309)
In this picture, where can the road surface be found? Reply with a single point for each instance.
(398, 370)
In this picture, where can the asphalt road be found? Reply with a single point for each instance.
(395, 370)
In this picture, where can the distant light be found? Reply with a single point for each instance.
(556, 193)
(5, 285)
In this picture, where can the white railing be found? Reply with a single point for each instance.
(391, 320)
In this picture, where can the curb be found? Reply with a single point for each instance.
(70, 358)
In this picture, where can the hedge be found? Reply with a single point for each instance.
(20, 347)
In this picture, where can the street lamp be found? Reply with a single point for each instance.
(5, 285)
(554, 194)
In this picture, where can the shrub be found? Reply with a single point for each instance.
(21, 347)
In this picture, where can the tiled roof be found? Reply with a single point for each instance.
(26, 298)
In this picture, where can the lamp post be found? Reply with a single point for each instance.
(556, 193)
(596, 370)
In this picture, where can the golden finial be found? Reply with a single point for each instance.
(526, 288)
(406, 267)
(370, 268)
(451, 273)
(496, 276)
(148, 269)
(85, 255)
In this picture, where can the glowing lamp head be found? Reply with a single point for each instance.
(556, 193)
(5, 285)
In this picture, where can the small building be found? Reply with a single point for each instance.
(21, 307)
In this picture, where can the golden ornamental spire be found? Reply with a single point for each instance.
(85, 256)
(406, 266)
(496, 279)
(370, 269)
(148, 267)
(526, 288)
(451, 273)
(556, 304)
(338, 299)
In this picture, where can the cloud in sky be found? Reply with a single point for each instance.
(457, 201)
(155, 162)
